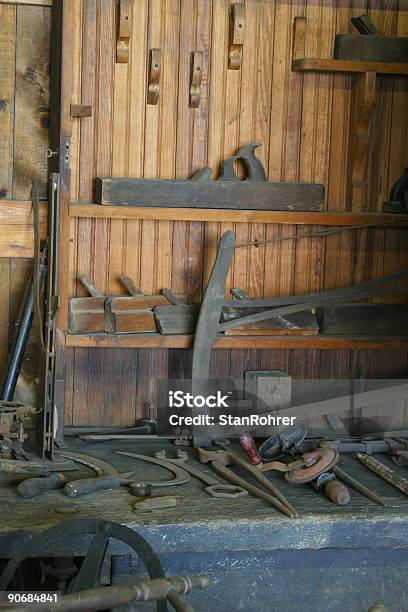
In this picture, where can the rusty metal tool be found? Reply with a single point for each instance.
(358, 486)
(220, 459)
(334, 490)
(107, 476)
(214, 488)
(314, 467)
(384, 472)
(181, 475)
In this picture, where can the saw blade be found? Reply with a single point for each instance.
(322, 459)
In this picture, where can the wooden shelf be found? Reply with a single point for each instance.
(332, 65)
(235, 216)
(239, 342)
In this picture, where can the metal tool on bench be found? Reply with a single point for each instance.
(107, 477)
(219, 461)
(181, 475)
(358, 486)
(384, 472)
(12, 434)
(314, 467)
(214, 487)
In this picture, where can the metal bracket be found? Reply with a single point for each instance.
(65, 154)
(196, 76)
(237, 35)
(124, 31)
(153, 90)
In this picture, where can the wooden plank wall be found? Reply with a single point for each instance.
(24, 122)
(301, 121)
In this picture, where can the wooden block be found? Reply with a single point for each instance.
(298, 324)
(129, 321)
(255, 195)
(81, 110)
(86, 315)
(177, 319)
(371, 48)
(271, 388)
(132, 315)
(138, 302)
(364, 319)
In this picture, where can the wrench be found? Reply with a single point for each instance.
(214, 488)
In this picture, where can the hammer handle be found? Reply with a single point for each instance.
(76, 488)
(35, 486)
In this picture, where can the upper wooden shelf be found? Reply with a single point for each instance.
(234, 216)
(302, 63)
(239, 342)
(332, 65)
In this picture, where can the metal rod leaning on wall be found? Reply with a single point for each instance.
(23, 331)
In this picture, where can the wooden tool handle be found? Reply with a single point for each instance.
(34, 486)
(248, 445)
(76, 488)
(337, 492)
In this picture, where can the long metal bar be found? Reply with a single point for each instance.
(21, 337)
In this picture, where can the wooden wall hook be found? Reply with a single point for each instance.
(153, 88)
(196, 76)
(237, 35)
(124, 31)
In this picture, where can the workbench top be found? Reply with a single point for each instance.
(201, 523)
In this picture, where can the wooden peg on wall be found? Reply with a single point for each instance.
(81, 110)
(237, 35)
(153, 88)
(196, 76)
(124, 31)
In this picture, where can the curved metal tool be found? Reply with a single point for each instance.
(99, 466)
(181, 475)
(214, 488)
(107, 476)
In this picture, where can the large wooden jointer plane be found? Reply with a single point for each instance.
(255, 192)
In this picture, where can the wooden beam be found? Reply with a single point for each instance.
(235, 216)
(240, 342)
(16, 221)
(30, 2)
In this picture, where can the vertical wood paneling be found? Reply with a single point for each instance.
(301, 122)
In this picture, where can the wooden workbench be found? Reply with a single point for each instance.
(242, 541)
